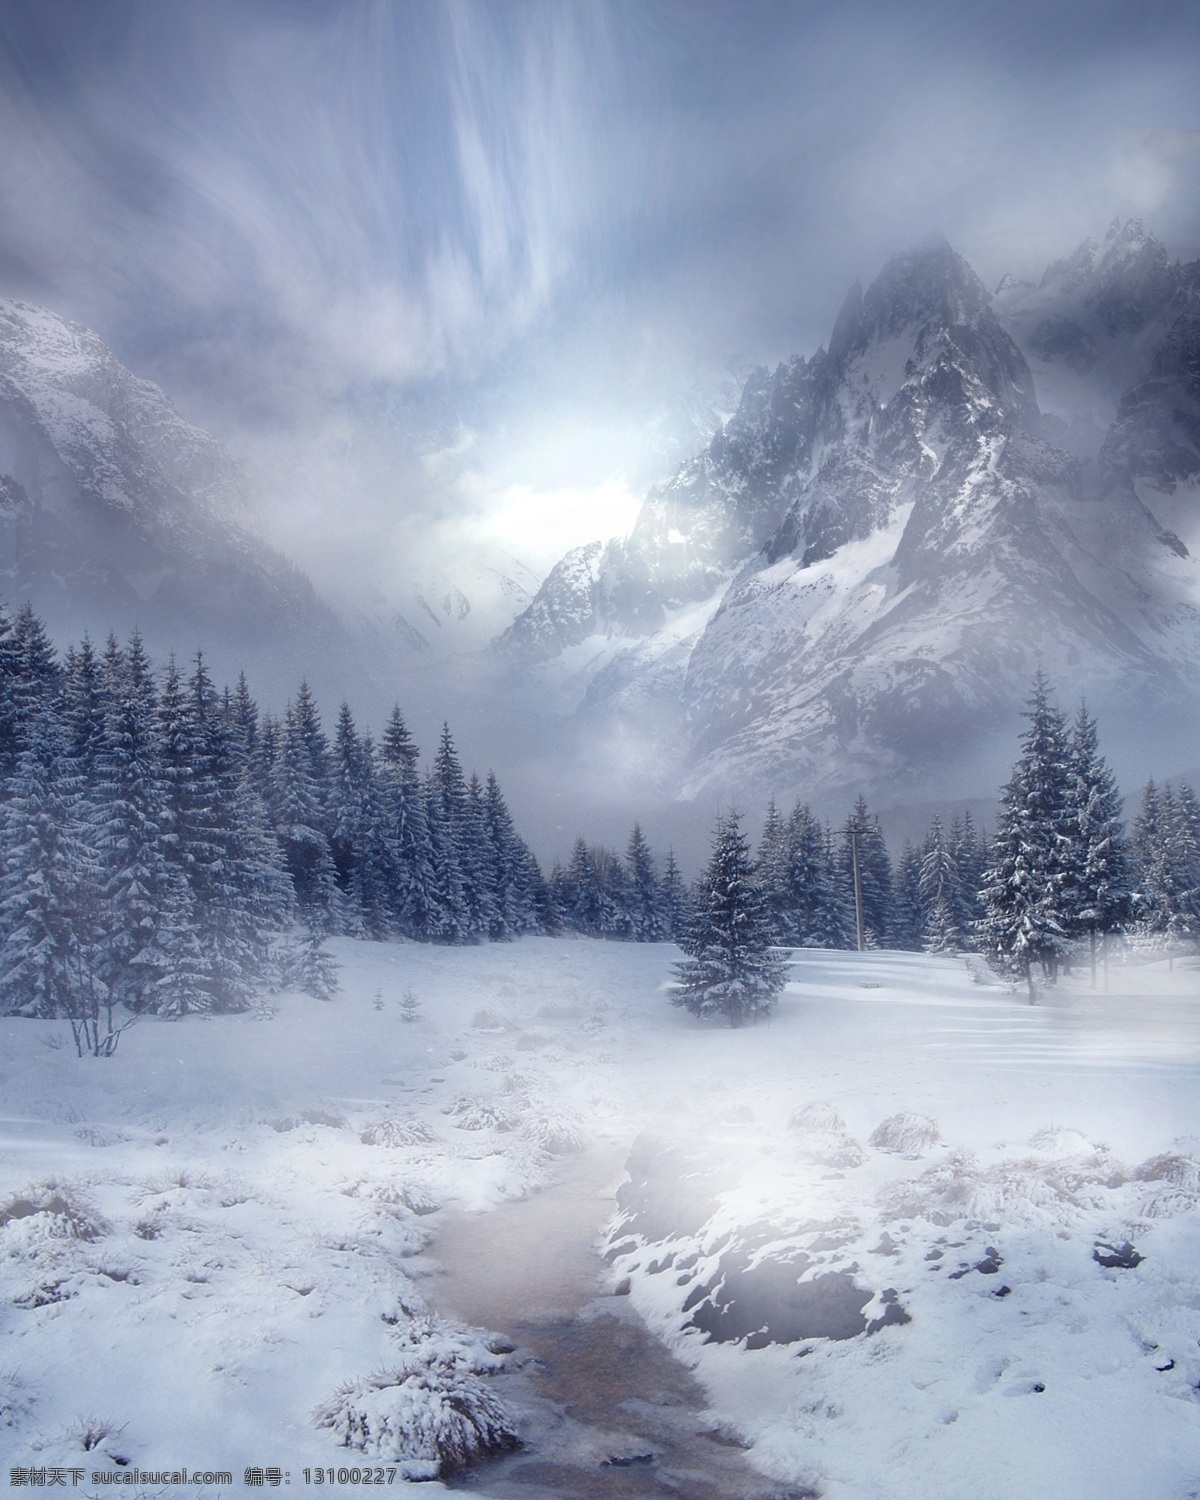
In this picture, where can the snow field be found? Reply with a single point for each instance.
(225, 1236)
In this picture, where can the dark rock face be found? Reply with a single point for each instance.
(854, 582)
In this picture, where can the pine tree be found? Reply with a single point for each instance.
(771, 870)
(299, 807)
(1099, 878)
(969, 849)
(584, 896)
(643, 895)
(731, 969)
(131, 831)
(862, 832)
(413, 905)
(940, 894)
(676, 899)
(510, 869)
(1024, 888)
(908, 916)
(48, 907)
(812, 915)
(30, 678)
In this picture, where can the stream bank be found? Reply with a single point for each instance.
(604, 1409)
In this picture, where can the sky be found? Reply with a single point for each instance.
(461, 275)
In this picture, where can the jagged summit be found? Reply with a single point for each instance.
(853, 582)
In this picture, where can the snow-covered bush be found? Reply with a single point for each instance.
(431, 1412)
(1027, 1191)
(398, 1130)
(1172, 1185)
(905, 1134)
(1061, 1140)
(830, 1148)
(309, 1117)
(49, 1211)
(555, 1131)
(816, 1116)
(470, 1112)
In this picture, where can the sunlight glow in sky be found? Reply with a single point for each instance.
(338, 232)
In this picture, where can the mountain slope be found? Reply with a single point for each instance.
(854, 582)
(115, 511)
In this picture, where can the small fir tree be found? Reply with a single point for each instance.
(731, 969)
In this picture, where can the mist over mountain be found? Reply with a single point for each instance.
(853, 583)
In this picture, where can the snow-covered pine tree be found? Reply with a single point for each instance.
(646, 918)
(310, 968)
(83, 706)
(511, 870)
(813, 898)
(131, 831)
(455, 831)
(414, 907)
(676, 899)
(299, 806)
(731, 969)
(48, 896)
(1025, 920)
(969, 848)
(235, 885)
(771, 870)
(940, 894)
(908, 912)
(1099, 891)
(30, 678)
(1186, 842)
(875, 872)
(478, 886)
(348, 798)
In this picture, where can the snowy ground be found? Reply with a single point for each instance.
(206, 1238)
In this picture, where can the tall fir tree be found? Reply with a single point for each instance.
(643, 895)
(132, 831)
(48, 903)
(1026, 920)
(1099, 890)
(863, 834)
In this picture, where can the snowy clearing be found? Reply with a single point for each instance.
(219, 1248)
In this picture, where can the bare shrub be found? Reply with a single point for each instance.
(61, 1213)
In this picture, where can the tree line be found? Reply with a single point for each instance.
(159, 836)
(1058, 876)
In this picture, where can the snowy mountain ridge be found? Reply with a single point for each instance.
(889, 537)
(115, 512)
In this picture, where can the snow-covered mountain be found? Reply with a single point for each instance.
(854, 582)
(114, 511)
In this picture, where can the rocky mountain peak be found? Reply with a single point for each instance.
(853, 582)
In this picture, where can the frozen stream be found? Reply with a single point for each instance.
(605, 1410)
